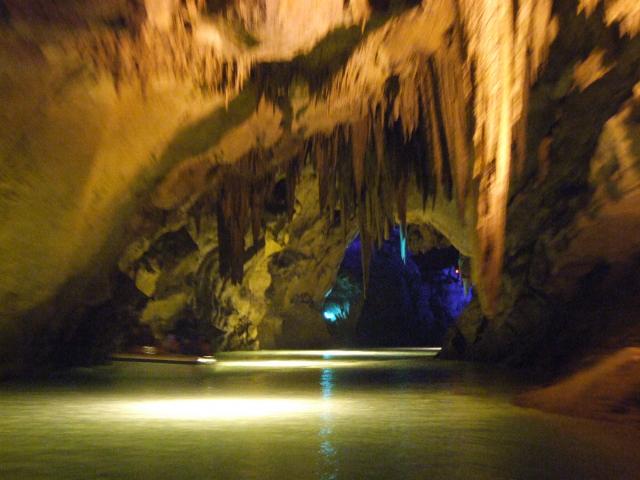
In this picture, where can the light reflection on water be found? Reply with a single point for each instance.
(329, 470)
(353, 416)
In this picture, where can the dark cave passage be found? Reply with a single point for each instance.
(238, 239)
(411, 298)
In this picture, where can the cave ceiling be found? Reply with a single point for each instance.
(150, 101)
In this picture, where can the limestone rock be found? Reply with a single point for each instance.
(511, 129)
(605, 391)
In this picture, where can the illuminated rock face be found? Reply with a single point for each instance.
(125, 122)
(569, 275)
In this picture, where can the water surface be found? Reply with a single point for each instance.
(317, 415)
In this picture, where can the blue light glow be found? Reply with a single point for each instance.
(403, 245)
(456, 293)
(333, 312)
(330, 315)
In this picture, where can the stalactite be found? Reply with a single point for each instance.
(405, 106)
(626, 12)
(468, 100)
(365, 244)
(359, 143)
(400, 156)
(520, 129)
(319, 153)
(375, 174)
(257, 203)
(345, 176)
(224, 242)
(493, 46)
(292, 178)
(424, 161)
(146, 50)
(332, 188)
(235, 210)
(431, 131)
(450, 68)
(401, 200)
(506, 44)
(455, 113)
(245, 187)
(446, 181)
(387, 187)
(369, 167)
(377, 123)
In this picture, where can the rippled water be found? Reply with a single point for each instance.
(299, 415)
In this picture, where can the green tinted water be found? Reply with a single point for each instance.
(299, 416)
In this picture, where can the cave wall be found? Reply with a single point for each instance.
(279, 303)
(95, 157)
(86, 139)
(569, 281)
(105, 157)
(75, 159)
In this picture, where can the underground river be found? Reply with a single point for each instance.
(326, 415)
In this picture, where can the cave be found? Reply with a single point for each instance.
(411, 297)
(320, 239)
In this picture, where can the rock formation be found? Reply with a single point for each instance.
(218, 156)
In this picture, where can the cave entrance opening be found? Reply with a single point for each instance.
(418, 286)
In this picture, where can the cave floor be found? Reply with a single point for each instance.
(325, 415)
